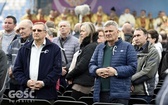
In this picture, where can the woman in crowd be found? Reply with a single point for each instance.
(79, 76)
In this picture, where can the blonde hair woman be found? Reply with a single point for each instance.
(79, 76)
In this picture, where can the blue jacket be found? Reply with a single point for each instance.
(50, 69)
(124, 60)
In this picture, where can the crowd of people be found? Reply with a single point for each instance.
(144, 20)
(115, 57)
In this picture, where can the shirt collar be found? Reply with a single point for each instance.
(139, 49)
(67, 37)
(44, 43)
(9, 34)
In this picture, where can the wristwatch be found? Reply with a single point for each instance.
(116, 74)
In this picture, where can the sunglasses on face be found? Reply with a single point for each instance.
(38, 30)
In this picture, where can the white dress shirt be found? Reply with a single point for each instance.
(34, 60)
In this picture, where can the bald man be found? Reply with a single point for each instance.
(25, 31)
(127, 30)
(76, 31)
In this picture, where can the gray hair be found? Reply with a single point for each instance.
(66, 22)
(44, 25)
(50, 24)
(28, 22)
(110, 22)
(90, 28)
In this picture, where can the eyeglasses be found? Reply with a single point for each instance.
(38, 30)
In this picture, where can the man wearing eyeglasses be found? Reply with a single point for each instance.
(38, 65)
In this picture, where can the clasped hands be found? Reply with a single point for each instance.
(106, 72)
(35, 85)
